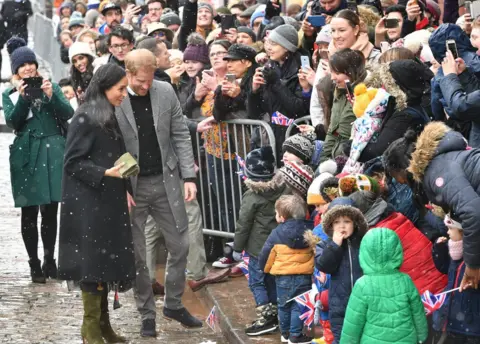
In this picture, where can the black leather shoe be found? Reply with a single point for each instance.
(182, 316)
(36, 271)
(148, 328)
(49, 268)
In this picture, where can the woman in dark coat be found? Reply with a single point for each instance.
(96, 246)
(446, 172)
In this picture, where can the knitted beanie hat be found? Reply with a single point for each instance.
(258, 13)
(297, 176)
(76, 20)
(286, 36)
(170, 18)
(79, 48)
(91, 17)
(260, 164)
(314, 195)
(20, 53)
(93, 4)
(205, 5)
(248, 31)
(325, 35)
(197, 49)
(300, 145)
(356, 182)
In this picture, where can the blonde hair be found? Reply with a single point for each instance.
(291, 207)
(140, 59)
(87, 32)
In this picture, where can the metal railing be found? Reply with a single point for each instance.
(221, 186)
(303, 120)
(47, 48)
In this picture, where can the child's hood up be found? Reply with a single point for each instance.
(380, 251)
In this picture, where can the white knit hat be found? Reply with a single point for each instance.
(79, 48)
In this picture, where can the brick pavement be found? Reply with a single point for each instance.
(35, 313)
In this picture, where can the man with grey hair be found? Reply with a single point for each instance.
(156, 135)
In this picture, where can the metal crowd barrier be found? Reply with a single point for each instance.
(47, 48)
(302, 120)
(221, 186)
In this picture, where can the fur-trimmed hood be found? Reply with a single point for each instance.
(380, 77)
(359, 221)
(437, 138)
(273, 186)
(311, 239)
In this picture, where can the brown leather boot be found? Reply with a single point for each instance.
(213, 276)
(158, 289)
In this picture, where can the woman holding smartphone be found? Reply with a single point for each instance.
(35, 109)
(96, 245)
(81, 57)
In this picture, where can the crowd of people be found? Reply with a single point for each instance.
(374, 200)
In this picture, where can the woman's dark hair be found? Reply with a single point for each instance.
(396, 8)
(349, 62)
(350, 16)
(397, 156)
(100, 109)
(102, 47)
(394, 54)
(222, 42)
(325, 89)
(82, 80)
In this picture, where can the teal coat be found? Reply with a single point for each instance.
(384, 306)
(36, 155)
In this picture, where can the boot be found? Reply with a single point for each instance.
(49, 267)
(91, 332)
(267, 321)
(36, 271)
(107, 331)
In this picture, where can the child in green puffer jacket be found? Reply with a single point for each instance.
(384, 307)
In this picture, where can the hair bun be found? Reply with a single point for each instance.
(410, 136)
(195, 39)
(14, 43)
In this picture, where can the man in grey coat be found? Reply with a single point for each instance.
(155, 133)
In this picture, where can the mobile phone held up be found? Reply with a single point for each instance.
(391, 23)
(228, 22)
(452, 46)
(305, 62)
(34, 87)
(349, 88)
(231, 77)
(316, 21)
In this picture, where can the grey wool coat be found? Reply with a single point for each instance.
(174, 141)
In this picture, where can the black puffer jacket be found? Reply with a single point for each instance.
(450, 176)
(283, 94)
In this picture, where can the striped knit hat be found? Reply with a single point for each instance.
(297, 176)
(356, 182)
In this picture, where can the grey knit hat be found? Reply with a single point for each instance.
(205, 5)
(76, 20)
(300, 145)
(286, 36)
(170, 18)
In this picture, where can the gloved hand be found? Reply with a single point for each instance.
(272, 9)
(270, 76)
(237, 256)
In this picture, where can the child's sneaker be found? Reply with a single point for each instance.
(262, 326)
(301, 339)
(284, 338)
(224, 262)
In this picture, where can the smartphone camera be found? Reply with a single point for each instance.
(391, 23)
(452, 46)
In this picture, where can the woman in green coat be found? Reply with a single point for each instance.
(384, 306)
(36, 155)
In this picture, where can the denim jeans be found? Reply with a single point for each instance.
(261, 284)
(289, 286)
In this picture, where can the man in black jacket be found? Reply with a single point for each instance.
(15, 14)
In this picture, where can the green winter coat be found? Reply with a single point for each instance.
(256, 219)
(384, 306)
(340, 128)
(36, 155)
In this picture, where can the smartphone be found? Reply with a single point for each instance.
(33, 89)
(384, 46)
(391, 23)
(228, 22)
(209, 72)
(305, 62)
(468, 7)
(349, 88)
(452, 46)
(352, 6)
(323, 54)
(316, 21)
(231, 77)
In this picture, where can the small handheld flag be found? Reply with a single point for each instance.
(280, 119)
(212, 319)
(241, 164)
(432, 302)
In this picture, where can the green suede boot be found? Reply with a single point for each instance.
(107, 331)
(91, 333)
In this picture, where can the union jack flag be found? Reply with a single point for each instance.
(307, 300)
(244, 265)
(212, 319)
(240, 163)
(432, 302)
(279, 119)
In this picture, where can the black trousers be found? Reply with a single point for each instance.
(48, 229)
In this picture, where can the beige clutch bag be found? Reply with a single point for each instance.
(130, 167)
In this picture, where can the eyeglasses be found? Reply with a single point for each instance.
(120, 46)
(218, 53)
(157, 34)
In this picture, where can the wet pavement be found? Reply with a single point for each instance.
(49, 313)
